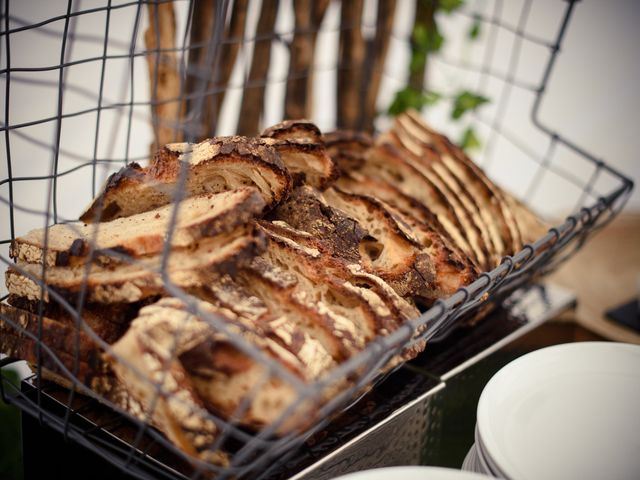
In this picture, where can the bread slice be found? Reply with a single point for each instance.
(359, 229)
(457, 198)
(146, 362)
(464, 163)
(298, 131)
(214, 165)
(206, 369)
(385, 162)
(300, 145)
(141, 278)
(140, 234)
(331, 263)
(453, 268)
(59, 340)
(389, 250)
(428, 161)
(490, 200)
(347, 148)
(312, 324)
(109, 322)
(331, 283)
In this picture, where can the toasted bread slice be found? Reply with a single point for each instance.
(388, 250)
(360, 230)
(109, 322)
(217, 374)
(347, 148)
(484, 190)
(141, 278)
(453, 269)
(300, 145)
(334, 284)
(214, 165)
(456, 198)
(386, 162)
(146, 362)
(140, 234)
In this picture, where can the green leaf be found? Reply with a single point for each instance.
(465, 101)
(470, 140)
(420, 36)
(425, 39)
(410, 97)
(436, 40)
(449, 6)
(418, 61)
(474, 31)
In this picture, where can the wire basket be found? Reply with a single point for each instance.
(109, 79)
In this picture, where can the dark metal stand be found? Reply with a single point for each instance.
(627, 314)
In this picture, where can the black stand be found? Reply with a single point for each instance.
(627, 314)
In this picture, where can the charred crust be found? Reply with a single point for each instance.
(289, 129)
(164, 165)
(246, 147)
(351, 139)
(131, 174)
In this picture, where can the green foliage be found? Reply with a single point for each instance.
(449, 6)
(474, 31)
(424, 40)
(470, 140)
(466, 101)
(409, 98)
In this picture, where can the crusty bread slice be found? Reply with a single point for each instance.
(456, 197)
(214, 165)
(330, 262)
(386, 162)
(140, 234)
(141, 278)
(429, 162)
(347, 148)
(57, 337)
(453, 269)
(334, 284)
(262, 295)
(300, 145)
(483, 189)
(359, 229)
(109, 322)
(314, 324)
(206, 369)
(316, 284)
(389, 250)
(146, 362)
(299, 131)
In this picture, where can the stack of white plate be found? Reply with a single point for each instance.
(567, 411)
(413, 473)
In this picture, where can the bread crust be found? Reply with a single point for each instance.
(214, 165)
(139, 234)
(140, 279)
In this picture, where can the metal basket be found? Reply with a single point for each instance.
(73, 70)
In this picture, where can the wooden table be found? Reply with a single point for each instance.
(605, 273)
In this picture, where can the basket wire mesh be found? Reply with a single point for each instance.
(115, 101)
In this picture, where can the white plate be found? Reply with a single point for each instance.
(413, 473)
(567, 411)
